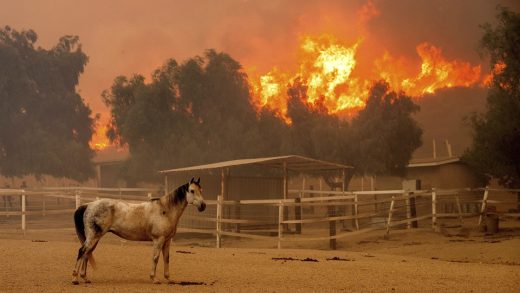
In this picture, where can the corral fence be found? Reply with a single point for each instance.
(307, 215)
(57, 203)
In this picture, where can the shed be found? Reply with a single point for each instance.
(254, 178)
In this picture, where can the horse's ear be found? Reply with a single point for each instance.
(192, 180)
(198, 181)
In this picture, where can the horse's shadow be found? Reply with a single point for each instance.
(147, 282)
(189, 283)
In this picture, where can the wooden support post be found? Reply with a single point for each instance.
(224, 172)
(78, 198)
(237, 216)
(219, 218)
(332, 227)
(434, 209)
(483, 206)
(165, 184)
(390, 213)
(43, 206)
(285, 194)
(408, 210)
(413, 211)
(280, 223)
(298, 213)
(372, 188)
(356, 211)
(459, 208)
(23, 211)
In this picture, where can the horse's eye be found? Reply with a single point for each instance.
(192, 191)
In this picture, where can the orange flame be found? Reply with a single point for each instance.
(327, 66)
(99, 139)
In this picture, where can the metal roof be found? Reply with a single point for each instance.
(429, 162)
(294, 163)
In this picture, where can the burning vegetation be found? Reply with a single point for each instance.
(327, 68)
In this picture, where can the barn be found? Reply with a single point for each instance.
(246, 179)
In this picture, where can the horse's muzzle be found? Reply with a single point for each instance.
(202, 207)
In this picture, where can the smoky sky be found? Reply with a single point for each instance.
(126, 37)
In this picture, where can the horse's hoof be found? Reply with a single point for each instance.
(87, 281)
(75, 282)
(156, 282)
(171, 282)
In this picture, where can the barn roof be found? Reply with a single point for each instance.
(429, 162)
(294, 163)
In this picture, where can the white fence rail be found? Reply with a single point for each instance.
(412, 207)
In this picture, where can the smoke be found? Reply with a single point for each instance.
(123, 37)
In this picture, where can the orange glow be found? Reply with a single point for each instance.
(435, 72)
(99, 140)
(498, 68)
(327, 68)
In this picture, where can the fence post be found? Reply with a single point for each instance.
(408, 210)
(332, 227)
(43, 206)
(484, 205)
(23, 212)
(78, 198)
(356, 210)
(298, 213)
(459, 208)
(219, 217)
(434, 209)
(280, 223)
(390, 212)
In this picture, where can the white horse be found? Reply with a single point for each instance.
(155, 220)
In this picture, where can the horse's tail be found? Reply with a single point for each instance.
(80, 230)
(80, 225)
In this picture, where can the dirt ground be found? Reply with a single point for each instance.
(408, 261)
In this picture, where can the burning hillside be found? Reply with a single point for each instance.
(327, 67)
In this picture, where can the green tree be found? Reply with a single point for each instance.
(196, 112)
(384, 135)
(45, 126)
(314, 132)
(496, 132)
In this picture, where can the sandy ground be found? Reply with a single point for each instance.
(418, 261)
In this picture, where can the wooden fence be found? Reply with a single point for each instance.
(362, 211)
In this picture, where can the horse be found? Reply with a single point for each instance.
(155, 220)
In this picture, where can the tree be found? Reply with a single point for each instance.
(313, 131)
(201, 111)
(196, 112)
(45, 126)
(384, 135)
(496, 132)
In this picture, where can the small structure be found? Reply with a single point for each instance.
(440, 172)
(283, 167)
(257, 178)
(108, 163)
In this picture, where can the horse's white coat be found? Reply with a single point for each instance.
(155, 220)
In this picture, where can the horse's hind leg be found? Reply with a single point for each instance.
(157, 247)
(77, 267)
(89, 247)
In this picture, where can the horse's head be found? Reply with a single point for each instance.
(194, 194)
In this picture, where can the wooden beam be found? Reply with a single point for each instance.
(165, 184)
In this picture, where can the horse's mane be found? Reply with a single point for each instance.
(179, 194)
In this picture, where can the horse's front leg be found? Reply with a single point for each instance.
(166, 259)
(158, 244)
